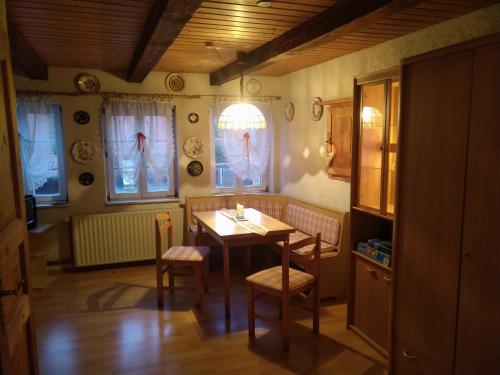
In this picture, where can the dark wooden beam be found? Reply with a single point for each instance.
(340, 19)
(24, 57)
(165, 22)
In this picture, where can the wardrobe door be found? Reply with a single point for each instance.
(478, 334)
(434, 127)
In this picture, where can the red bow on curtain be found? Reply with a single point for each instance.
(140, 141)
(246, 137)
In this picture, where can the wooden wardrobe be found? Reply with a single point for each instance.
(446, 315)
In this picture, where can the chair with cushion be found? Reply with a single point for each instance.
(283, 282)
(177, 258)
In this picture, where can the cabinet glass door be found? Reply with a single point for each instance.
(392, 145)
(371, 145)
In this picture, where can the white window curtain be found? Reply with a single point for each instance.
(37, 140)
(140, 138)
(246, 150)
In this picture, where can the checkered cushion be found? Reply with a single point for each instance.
(208, 205)
(186, 253)
(311, 222)
(268, 207)
(298, 236)
(271, 278)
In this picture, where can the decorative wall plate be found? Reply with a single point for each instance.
(174, 82)
(86, 82)
(316, 109)
(81, 117)
(253, 86)
(289, 111)
(86, 179)
(83, 151)
(193, 147)
(193, 118)
(195, 168)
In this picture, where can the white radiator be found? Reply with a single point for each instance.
(119, 237)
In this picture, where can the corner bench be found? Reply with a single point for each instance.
(307, 219)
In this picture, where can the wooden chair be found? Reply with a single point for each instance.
(176, 258)
(283, 282)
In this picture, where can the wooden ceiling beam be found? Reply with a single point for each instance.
(340, 19)
(24, 58)
(165, 22)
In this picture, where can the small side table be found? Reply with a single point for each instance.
(40, 277)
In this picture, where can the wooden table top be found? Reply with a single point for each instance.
(226, 228)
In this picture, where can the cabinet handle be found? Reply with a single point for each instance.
(388, 279)
(13, 292)
(370, 269)
(408, 355)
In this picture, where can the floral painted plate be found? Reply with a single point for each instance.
(83, 152)
(193, 147)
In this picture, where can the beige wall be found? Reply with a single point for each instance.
(303, 173)
(92, 199)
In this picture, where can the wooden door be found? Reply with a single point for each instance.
(17, 343)
(478, 334)
(433, 155)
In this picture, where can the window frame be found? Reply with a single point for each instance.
(143, 195)
(239, 187)
(62, 197)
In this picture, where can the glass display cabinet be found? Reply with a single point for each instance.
(374, 154)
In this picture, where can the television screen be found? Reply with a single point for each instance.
(30, 203)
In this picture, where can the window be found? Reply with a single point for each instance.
(230, 152)
(42, 150)
(140, 150)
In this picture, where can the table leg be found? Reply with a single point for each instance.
(227, 302)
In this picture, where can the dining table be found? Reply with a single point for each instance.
(255, 228)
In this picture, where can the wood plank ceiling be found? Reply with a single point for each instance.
(105, 34)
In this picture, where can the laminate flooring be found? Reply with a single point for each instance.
(106, 322)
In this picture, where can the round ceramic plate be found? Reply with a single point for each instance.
(193, 118)
(81, 117)
(193, 147)
(86, 179)
(195, 168)
(289, 111)
(83, 151)
(316, 109)
(174, 82)
(253, 87)
(86, 82)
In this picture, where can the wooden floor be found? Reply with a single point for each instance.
(106, 322)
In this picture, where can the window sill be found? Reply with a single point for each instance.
(142, 201)
(52, 205)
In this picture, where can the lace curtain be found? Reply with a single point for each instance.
(37, 140)
(140, 134)
(246, 150)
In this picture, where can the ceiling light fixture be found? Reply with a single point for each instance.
(264, 3)
(242, 115)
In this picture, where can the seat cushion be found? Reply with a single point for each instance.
(268, 207)
(311, 222)
(271, 278)
(298, 236)
(186, 253)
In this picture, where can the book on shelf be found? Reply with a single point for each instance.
(374, 254)
(384, 246)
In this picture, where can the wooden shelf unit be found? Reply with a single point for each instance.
(374, 146)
